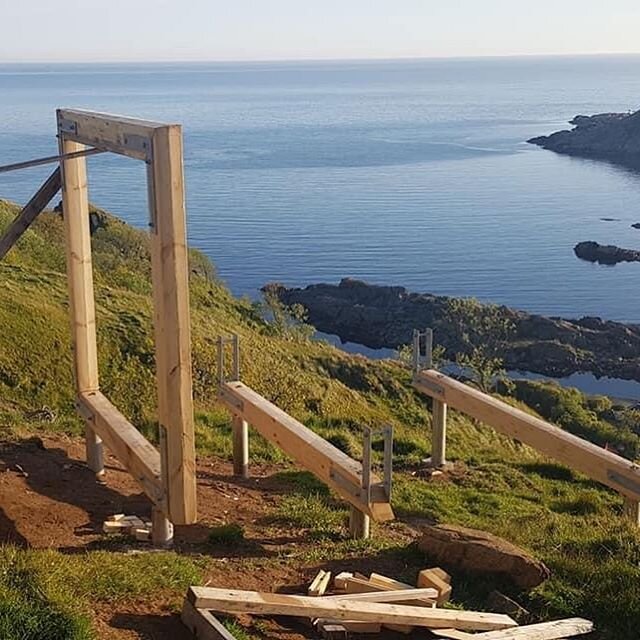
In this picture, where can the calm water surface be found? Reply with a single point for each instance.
(413, 173)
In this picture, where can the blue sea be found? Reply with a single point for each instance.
(412, 172)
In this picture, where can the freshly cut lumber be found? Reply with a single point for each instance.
(334, 467)
(320, 583)
(404, 595)
(315, 583)
(555, 630)
(132, 449)
(203, 625)
(599, 464)
(388, 583)
(234, 601)
(430, 578)
(339, 582)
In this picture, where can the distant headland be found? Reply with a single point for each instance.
(384, 316)
(605, 136)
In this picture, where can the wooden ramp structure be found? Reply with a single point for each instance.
(599, 464)
(167, 475)
(353, 481)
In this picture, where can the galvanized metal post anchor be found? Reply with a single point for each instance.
(360, 523)
(239, 426)
(438, 459)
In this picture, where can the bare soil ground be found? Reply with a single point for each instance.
(49, 499)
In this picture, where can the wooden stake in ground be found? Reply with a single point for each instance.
(233, 601)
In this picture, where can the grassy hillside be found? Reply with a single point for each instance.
(499, 485)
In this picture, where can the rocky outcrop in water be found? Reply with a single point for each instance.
(379, 316)
(605, 136)
(605, 253)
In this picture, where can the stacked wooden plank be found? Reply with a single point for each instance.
(128, 525)
(358, 604)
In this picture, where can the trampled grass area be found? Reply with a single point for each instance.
(502, 487)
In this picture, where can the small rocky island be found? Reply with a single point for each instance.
(381, 316)
(605, 253)
(606, 136)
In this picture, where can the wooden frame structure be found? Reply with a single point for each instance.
(606, 467)
(166, 476)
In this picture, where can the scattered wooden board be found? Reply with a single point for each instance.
(319, 584)
(543, 631)
(402, 596)
(431, 578)
(203, 624)
(235, 601)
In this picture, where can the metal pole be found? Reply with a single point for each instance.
(50, 160)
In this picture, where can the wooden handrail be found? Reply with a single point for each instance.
(599, 464)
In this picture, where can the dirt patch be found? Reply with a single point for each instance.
(49, 499)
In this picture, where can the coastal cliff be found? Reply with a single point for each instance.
(382, 316)
(606, 136)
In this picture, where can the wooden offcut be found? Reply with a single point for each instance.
(431, 578)
(234, 601)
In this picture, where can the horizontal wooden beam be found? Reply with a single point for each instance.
(133, 450)
(402, 595)
(126, 136)
(335, 468)
(597, 463)
(555, 630)
(30, 212)
(233, 601)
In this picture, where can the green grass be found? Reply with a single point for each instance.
(45, 595)
(569, 522)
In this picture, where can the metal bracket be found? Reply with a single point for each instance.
(222, 343)
(422, 361)
(229, 399)
(67, 126)
(138, 143)
(387, 434)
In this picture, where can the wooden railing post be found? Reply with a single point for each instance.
(75, 207)
(439, 434)
(170, 276)
(240, 429)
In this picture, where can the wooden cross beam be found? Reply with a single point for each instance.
(30, 212)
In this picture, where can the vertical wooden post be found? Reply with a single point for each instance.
(631, 510)
(439, 434)
(170, 272)
(359, 524)
(75, 206)
(240, 430)
(161, 529)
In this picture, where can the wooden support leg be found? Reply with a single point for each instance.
(95, 452)
(162, 529)
(359, 524)
(439, 434)
(240, 447)
(632, 510)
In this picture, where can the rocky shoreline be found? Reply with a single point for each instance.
(605, 253)
(606, 136)
(383, 316)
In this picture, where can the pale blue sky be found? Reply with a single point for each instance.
(110, 30)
